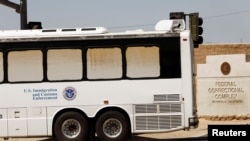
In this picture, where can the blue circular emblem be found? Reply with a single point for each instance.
(69, 93)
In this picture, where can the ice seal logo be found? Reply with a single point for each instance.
(69, 93)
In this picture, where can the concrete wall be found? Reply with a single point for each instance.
(218, 49)
(223, 94)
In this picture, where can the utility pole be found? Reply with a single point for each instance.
(21, 9)
(23, 14)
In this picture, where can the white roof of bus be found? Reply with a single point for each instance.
(163, 26)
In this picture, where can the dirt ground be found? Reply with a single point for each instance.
(200, 131)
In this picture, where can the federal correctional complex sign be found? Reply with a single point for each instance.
(223, 85)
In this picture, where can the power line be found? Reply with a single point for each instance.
(209, 17)
(130, 26)
(228, 14)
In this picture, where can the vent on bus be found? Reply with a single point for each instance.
(158, 116)
(161, 122)
(86, 30)
(150, 108)
(169, 108)
(70, 29)
(166, 97)
(49, 30)
(158, 108)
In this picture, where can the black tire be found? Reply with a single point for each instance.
(113, 126)
(71, 121)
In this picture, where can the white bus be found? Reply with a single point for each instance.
(75, 82)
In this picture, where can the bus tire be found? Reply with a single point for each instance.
(71, 126)
(113, 126)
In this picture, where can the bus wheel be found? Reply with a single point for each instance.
(112, 126)
(71, 126)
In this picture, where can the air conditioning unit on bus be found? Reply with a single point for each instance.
(170, 25)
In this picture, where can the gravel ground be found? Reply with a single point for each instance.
(200, 131)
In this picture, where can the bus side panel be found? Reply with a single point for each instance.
(17, 122)
(3, 123)
(37, 121)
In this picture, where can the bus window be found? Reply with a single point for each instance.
(170, 61)
(25, 66)
(1, 67)
(104, 63)
(143, 62)
(64, 64)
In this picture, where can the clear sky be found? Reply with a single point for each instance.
(224, 21)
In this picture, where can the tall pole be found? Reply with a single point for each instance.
(23, 14)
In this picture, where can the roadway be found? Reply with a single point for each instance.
(134, 138)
